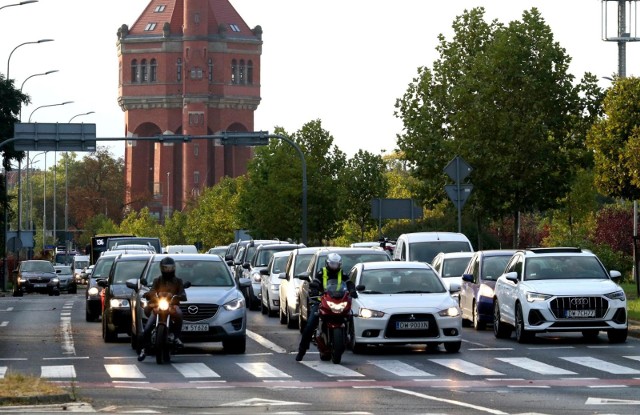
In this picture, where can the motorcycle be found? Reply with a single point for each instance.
(162, 340)
(335, 316)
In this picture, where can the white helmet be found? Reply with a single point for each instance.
(334, 261)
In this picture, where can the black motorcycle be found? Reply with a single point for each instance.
(162, 340)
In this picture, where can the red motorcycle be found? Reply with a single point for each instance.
(335, 316)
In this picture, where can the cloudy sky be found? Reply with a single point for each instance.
(344, 62)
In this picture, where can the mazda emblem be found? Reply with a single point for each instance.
(192, 309)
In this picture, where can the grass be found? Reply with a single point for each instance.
(633, 302)
(16, 385)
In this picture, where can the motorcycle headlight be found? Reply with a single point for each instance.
(485, 291)
(236, 304)
(368, 313)
(93, 291)
(163, 304)
(618, 295)
(119, 303)
(535, 297)
(449, 312)
(337, 307)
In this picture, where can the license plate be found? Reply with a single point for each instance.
(39, 285)
(412, 325)
(195, 327)
(580, 313)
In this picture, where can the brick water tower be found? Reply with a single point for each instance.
(189, 67)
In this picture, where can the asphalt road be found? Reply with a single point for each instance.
(49, 338)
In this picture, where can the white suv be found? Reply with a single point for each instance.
(559, 290)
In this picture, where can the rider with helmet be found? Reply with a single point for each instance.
(167, 282)
(331, 271)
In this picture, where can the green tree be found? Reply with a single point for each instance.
(174, 229)
(141, 223)
(502, 98)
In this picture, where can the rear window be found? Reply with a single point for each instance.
(426, 251)
(102, 267)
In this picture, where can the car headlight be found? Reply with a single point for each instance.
(449, 312)
(119, 303)
(535, 297)
(55, 280)
(617, 295)
(485, 291)
(274, 287)
(255, 277)
(93, 291)
(236, 304)
(368, 313)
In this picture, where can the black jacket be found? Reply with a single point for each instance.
(172, 285)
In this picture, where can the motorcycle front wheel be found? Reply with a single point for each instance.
(163, 352)
(338, 344)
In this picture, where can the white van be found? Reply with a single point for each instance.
(180, 249)
(424, 246)
(79, 263)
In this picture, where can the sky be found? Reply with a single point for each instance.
(344, 62)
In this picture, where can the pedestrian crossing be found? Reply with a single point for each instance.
(566, 366)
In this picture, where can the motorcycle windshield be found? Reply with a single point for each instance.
(335, 290)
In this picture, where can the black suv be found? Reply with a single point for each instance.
(350, 257)
(116, 315)
(35, 276)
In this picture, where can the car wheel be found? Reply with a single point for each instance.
(522, 335)
(254, 303)
(264, 309)
(109, 336)
(291, 322)
(355, 347)
(283, 316)
(271, 313)
(89, 316)
(500, 330)
(477, 324)
(236, 345)
(617, 336)
(302, 322)
(17, 293)
(452, 347)
(433, 347)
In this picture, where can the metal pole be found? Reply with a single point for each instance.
(44, 203)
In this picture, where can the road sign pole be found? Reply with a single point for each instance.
(459, 198)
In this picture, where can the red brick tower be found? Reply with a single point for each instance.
(187, 67)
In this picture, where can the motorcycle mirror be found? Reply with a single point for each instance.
(187, 284)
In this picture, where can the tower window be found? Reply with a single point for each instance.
(179, 69)
(144, 73)
(250, 72)
(210, 74)
(134, 71)
(153, 71)
(159, 9)
(196, 149)
(149, 27)
(234, 71)
(241, 79)
(234, 27)
(196, 73)
(196, 177)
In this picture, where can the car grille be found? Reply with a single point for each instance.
(198, 312)
(560, 306)
(38, 280)
(392, 332)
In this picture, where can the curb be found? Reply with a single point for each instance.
(60, 398)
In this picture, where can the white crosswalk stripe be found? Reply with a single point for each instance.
(465, 367)
(263, 370)
(535, 366)
(331, 370)
(195, 370)
(58, 372)
(601, 365)
(3, 371)
(399, 368)
(124, 371)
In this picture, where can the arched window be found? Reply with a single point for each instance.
(250, 72)
(179, 69)
(153, 71)
(234, 71)
(144, 71)
(242, 79)
(210, 70)
(134, 71)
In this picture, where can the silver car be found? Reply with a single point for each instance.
(270, 283)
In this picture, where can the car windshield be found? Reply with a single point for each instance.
(63, 270)
(279, 263)
(126, 270)
(564, 267)
(81, 264)
(454, 267)
(264, 255)
(401, 281)
(493, 267)
(37, 266)
(302, 263)
(199, 273)
(426, 251)
(102, 267)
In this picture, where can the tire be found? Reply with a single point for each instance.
(522, 335)
(283, 316)
(236, 345)
(338, 343)
(500, 330)
(291, 322)
(355, 347)
(108, 335)
(477, 324)
(452, 347)
(617, 336)
(254, 303)
(17, 293)
(88, 316)
(161, 345)
(264, 309)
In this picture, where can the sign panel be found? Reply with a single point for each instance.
(395, 209)
(54, 137)
(465, 192)
(458, 169)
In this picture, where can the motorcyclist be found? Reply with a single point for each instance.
(167, 282)
(331, 271)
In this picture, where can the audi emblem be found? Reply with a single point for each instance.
(192, 309)
(579, 301)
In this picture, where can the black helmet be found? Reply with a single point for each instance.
(334, 261)
(167, 266)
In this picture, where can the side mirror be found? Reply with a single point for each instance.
(282, 276)
(264, 271)
(244, 282)
(246, 265)
(454, 287)
(229, 262)
(616, 276)
(132, 284)
(102, 283)
(304, 276)
(512, 276)
(467, 277)
(58, 271)
(143, 281)
(186, 284)
(360, 287)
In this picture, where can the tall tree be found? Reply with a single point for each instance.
(502, 98)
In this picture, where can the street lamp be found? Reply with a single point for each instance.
(79, 115)
(49, 105)
(19, 4)
(22, 44)
(36, 74)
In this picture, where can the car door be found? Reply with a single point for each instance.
(509, 290)
(468, 289)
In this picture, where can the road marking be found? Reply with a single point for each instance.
(266, 343)
(399, 368)
(535, 366)
(330, 369)
(4, 324)
(466, 367)
(62, 371)
(632, 357)
(3, 371)
(262, 402)
(68, 348)
(195, 370)
(606, 401)
(124, 371)
(450, 401)
(601, 365)
(263, 370)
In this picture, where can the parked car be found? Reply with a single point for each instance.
(94, 294)
(215, 309)
(244, 252)
(403, 302)
(559, 290)
(270, 283)
(424, 246)
(37, 276)
(180, 249)
(451, 265)
(218, 250)
(478, 282)
(350, 257)
(66, 279)
(259, 259)
(116, 312)
(289, 290)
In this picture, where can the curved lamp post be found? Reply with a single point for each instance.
(36, 74)
(49, 105)
(79, 115)
(22, 44)
(19, 4)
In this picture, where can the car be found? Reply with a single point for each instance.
(478, 282)
(289, 290)
(35, 275)
(85, 274)
(403, 302)
(94, 294)
(116, 311)
(350, 257)
(259, 259)
(80, 262)
(215, 310)
(424, 246)
(218, 250)
(451, 265)
(244, 251)
(66, 279)
(270, 283)
(132, 248)
(560, 289)
(180, 249)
